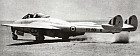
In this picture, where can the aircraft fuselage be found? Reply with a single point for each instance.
(65, 28)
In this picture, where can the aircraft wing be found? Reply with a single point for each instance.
(33, 25)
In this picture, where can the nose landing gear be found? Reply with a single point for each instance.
(14, 36)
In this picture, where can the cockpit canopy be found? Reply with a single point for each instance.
(35, 15)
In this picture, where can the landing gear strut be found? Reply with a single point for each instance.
(40, 36)
(14, 36)
(65, 38)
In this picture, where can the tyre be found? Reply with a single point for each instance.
(14, 36)
(40, 38)
(65, 38)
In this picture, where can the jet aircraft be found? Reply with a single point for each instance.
(46, 26)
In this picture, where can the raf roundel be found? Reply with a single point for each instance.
(73, 28)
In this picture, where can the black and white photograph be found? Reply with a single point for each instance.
(69, 28)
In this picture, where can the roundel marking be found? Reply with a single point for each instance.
(73, 28)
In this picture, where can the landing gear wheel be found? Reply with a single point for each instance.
(65, 38)
(40, 38)
(14, 36)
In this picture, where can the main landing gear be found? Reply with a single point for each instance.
(64, 37)
(40, 36)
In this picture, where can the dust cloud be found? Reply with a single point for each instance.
(122, 37)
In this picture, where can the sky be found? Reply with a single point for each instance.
(72, 10)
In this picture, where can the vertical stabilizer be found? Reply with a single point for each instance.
(132, 21)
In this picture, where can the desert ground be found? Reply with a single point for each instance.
(90, 44)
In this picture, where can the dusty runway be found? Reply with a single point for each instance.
(91, 44)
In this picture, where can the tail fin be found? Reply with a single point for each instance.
(133, 21)
(115, 23)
